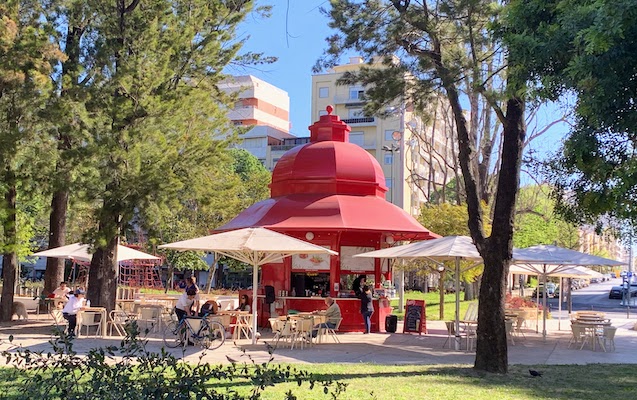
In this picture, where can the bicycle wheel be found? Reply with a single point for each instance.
(213, 335)
(174, 334)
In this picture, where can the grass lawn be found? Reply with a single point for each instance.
(440, 382)
(432, 302)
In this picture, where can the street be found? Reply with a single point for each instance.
(593, 297)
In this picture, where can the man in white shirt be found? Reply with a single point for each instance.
(70, 310)
(185, 303)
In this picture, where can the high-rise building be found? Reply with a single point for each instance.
(414, 156)
(266, 108)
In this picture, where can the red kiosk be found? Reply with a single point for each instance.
(331, 193)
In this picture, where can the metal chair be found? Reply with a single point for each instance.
(88, 319)
(578, 335)
(331, 331)
(608, 337)
(150, 315)
(118, 320)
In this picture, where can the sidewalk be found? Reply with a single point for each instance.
(389, 349)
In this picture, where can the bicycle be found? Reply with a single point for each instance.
(210, 334)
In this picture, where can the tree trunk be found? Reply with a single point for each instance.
(54, 273)
(102, 277)
(9, 257)
(469, 292)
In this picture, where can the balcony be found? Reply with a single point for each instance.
(360, 121)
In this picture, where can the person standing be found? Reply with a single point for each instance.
(191, 284)
(358, 282)
(367, 307)
(72, 307)
(184, 306)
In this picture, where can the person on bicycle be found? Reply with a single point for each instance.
(184, 306)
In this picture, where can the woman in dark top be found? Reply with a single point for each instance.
(367, 308)
(356, 286)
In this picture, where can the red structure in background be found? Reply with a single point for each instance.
(331, 193)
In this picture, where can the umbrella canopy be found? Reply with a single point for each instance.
(448, 248)
(254, 246)
(78, 251)
(548, 260)
(445, 248)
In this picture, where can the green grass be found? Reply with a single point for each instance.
(432, 302)
(447, 382)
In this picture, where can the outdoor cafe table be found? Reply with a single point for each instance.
(592, 327)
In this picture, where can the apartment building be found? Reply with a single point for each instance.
(414, 155)
(266, 108)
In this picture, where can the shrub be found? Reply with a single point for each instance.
(129, 371)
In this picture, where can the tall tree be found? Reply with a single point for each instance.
(589, 49)
(26, 58)
(67, 118)
(444, 47)
(161, 121)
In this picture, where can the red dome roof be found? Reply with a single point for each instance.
(328, 167)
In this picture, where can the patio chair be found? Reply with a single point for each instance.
(472, 312)
(150, 316)
(330, 331)
(286, 332)
(89, 319)
(508, 323)
(60, 324)
(303, 331)
(451, 333)
(578, 334)
(608, 337)
(117, 320)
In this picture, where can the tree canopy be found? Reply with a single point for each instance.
(586, 50)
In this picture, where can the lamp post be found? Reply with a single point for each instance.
(392, 148)
(441, 285)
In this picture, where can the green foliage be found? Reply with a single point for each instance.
(129, 371)
(537, 223)
(589, 49)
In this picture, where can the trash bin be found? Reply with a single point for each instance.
(391, 323)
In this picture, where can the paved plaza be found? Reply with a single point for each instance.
(387, 349)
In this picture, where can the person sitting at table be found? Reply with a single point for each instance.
(61, 293)
(184, 306)
(332, 316)
(210, 307)
(244, 303)
(72, 307)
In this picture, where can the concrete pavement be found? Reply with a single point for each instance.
(388, 349)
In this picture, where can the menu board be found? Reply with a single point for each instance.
(311, 262)
(415, 320)
(358, 264)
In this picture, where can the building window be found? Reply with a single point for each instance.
(357, 138)
(324, 92)
(388, 135)
(389, 158)
(355, 113)
(388, 183)
(356, 93)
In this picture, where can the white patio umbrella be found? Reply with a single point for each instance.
(78, 251)
(549, 260)
(254, 246)
(447, 248)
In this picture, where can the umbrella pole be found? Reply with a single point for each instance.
(544, 296)
(255, 284)
(537, 301)
(457, 322)
(559, 305)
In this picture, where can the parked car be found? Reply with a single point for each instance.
(616, 292)
(550, 290)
